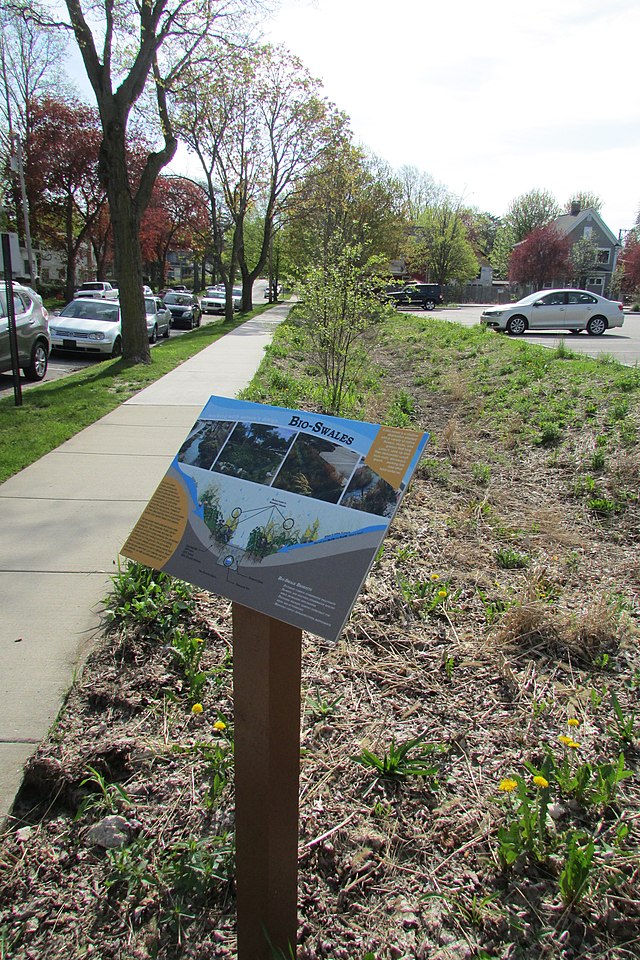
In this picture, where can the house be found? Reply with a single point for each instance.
(588, 224)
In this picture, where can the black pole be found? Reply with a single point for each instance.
(11, 319)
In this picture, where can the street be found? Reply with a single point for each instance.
(61, 364)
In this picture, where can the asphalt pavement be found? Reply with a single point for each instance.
(64, 519)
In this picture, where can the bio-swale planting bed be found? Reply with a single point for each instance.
(469, 780)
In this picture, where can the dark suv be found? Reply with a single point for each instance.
(426, 295)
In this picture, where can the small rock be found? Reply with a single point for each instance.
(23, 834)
(110, 833)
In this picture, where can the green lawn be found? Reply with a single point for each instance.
(53, 412)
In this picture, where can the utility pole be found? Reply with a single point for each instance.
(16, 165)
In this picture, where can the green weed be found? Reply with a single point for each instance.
(322, 709)
(510, 559)
(106, 798)
(410, 758)
(149, 597)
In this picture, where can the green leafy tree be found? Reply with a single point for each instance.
(449, 254)
(531, 210)
(349, 199)
(256, 129)
(501, 253)
(585, 200)
(584, 257)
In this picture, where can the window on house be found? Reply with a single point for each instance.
(587, 232)
(603, 255)
(595, 281)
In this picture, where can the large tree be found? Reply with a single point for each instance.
(541, 258)
(439, 247)
(584, 199)
(530, 211)
(350, 198)
(257, 130)
(129, 48)
(177, 212)
(419, 191)
(65, 195)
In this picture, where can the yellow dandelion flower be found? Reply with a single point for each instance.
(565, 740)
(573, 745)
(198, 640)
(219, 725)
(573, 722)
(442, 593)
(435, 576)
(541, 782)
(508, 785)
(197, 708)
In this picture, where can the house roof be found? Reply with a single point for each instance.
(567, 223)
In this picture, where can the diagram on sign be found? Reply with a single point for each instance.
(280, 509)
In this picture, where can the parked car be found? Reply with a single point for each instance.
(213, 300)
(184, 308)
(97, 290)
(567, 309)
(147, 291)
(158, 318)
(426, 295)
(32, 332)
(88, 326)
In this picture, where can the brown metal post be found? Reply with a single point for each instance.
(266, 678)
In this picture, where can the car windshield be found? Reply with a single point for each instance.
(533, 297)
(91, 286)
(178, 298)
(91, 310)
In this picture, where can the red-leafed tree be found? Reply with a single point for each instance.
(541, 257)
(177, 216)
(64, 192)
(629, 265)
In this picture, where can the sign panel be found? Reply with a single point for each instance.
(280, 510)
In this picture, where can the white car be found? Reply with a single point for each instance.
(567, 309)
(88, 326)
(97, 290)
(213, 300)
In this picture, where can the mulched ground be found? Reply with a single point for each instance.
(488, 675)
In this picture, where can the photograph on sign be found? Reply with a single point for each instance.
(280, 510)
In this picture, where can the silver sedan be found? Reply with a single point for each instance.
(567, 309)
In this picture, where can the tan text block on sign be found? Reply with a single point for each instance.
(391, 453)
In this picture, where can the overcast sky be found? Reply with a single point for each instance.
(493, 99)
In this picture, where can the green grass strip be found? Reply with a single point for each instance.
(52, 412)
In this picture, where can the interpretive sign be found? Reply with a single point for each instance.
(279, 510)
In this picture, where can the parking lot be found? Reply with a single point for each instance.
(621, 344)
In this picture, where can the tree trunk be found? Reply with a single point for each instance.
(125, 221)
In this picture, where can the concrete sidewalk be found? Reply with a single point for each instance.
(64, 519)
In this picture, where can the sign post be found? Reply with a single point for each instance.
(266, 693)
(282, 512)
(11, 318)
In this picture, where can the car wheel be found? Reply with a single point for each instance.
(516, 325)
(154, 334)
(596, 326)
(116, 350)
(165, 332)
(38, 363)
(576, 331)
(429, 305)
